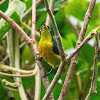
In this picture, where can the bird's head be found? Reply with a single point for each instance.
(45, 27)
(45, 33)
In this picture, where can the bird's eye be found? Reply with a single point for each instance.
(49, 28)
(45, 27)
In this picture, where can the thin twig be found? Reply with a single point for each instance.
(29, 28)
(73, 63)
(60, 70)
(18, 80)
(48, 20)
(14, 75)
(15, 69)
(15, 85)
(10, 46)
(15, 26)
(37, 75)
(94, 78)
(33, 19)
(37, 83)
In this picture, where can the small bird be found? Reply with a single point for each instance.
(48, 47)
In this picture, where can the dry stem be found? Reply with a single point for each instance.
(15, 69)
(15, 85)
(48, 20)
(94, 78)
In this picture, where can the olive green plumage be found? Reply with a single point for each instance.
(48, 47)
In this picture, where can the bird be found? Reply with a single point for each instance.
(48, 48)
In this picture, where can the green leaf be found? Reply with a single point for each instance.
(14, 11)
(5, 26)
(4, 6)
(68, 41)
(28, 82)
(87, 53)
(77, 8)
(28, 3)
(27, 56)
(16, 6)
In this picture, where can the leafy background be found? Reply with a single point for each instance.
(66, 12)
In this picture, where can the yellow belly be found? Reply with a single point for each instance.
(46, 51)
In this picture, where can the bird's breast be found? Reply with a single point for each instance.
(46, 51)
(44, 48)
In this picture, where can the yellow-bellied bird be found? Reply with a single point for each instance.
(48, 47)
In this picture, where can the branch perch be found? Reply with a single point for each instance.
(94, 78)
(15, 69)
(15, 85)
(52, 3)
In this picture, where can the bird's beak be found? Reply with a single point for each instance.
(44, 27)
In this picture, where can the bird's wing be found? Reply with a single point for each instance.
(55, 47)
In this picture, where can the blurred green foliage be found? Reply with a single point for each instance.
(75, 10)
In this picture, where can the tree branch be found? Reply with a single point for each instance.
(74, 59)
(15, 85)
(52, 3)
(15, 69)
(33, 19)
(37, 83)
(94, 78)
(24, 75)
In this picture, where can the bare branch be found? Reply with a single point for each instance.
(33, 19)
(94, 78)
(15, 26)
(15, 85)
(73, 63)
(29, 28)
(14, 75)
(45, 79)
(37, 83)
(52, 3)
(15, 69)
